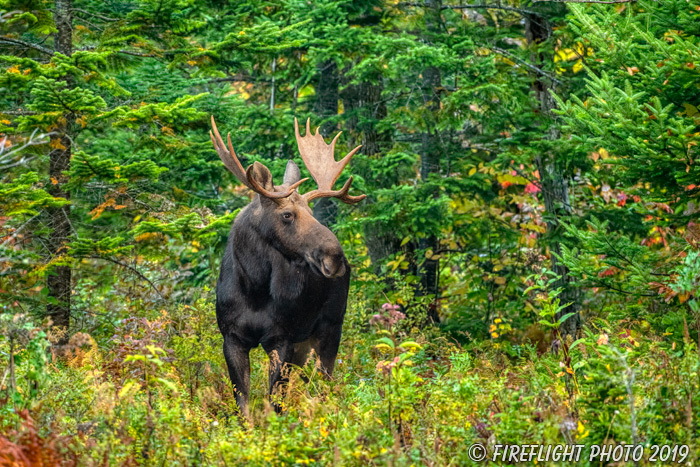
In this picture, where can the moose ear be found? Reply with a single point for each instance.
(292, 174)
(262, 175)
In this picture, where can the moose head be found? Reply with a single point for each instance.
(281, 214)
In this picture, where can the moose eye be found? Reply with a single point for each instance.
(287, 216)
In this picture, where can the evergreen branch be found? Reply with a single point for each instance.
(95, 15)
(44, 50)
(132, 269)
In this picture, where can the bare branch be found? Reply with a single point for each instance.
(9, 40)
(95, 15)
(239, 77)
(605, 2)
(7, 159)
(489, 7)
(125, 52)
(136, 54)
(532, 67)
(22, 161)
(132, 269)
(474, 7)
(91, 24)
(17, 232)
(20, 113)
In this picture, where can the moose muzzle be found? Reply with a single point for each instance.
(332, 265)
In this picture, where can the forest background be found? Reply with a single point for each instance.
(526, 266)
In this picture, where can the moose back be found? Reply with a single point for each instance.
(284, 277)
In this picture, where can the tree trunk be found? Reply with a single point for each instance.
(363, 107)
(430, 153)
(59, 278)
(555, 190)
(325, 210)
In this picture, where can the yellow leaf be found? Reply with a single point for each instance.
(500, 280)
(472, 171)
(56, 144)
(128, 389)
(690, 110)
(383, 347)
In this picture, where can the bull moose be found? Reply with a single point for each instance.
(284, 278)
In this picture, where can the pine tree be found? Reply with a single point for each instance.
(67, 75)
(638, 126)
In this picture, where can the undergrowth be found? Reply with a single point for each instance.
(157, 393)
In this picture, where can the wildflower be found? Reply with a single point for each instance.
(386, 366)
(389, 316)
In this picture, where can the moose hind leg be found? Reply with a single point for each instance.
(238, 363)
(302, 352)
(281, 353)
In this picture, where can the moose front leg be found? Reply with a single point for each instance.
(238, 363)
(327, 349)
(280, 352)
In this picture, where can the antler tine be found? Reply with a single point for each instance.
(255, 186)
(318, 156)
(230, 160)
(228, 156)
(341, 194)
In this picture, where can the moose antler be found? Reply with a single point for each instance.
(230, 160)
(319, 159)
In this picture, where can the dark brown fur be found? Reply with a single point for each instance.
(283, 283)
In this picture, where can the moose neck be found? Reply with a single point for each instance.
(263, 268)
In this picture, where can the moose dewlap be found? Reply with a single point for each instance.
(284, 277)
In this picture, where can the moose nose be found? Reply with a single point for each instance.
(331, 265)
